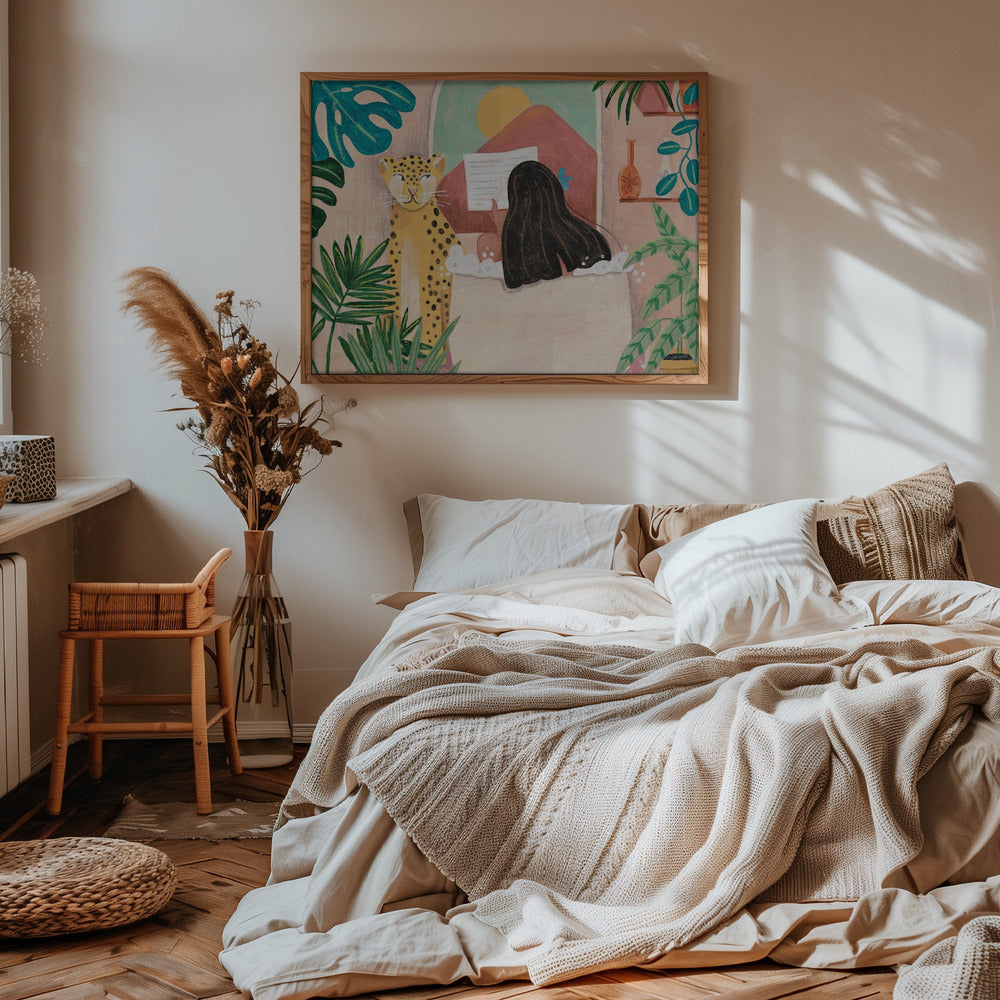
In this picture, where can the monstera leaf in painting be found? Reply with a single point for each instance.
(366, 122)
(332, 173)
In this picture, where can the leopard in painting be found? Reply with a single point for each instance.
(419, 238)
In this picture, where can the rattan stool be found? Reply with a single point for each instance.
(100, 611)
(71, 884)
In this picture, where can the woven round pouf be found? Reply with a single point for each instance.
(73, 884)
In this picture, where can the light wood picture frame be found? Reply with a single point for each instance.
(470, 228)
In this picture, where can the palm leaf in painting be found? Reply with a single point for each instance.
(390, 346)
(349, 288)
(628, 93)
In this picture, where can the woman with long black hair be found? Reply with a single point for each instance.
(541, 237)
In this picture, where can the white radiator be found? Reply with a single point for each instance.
(15, 743)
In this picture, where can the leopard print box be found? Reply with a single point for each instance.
(31, 460)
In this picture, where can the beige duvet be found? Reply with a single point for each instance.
(625, 801)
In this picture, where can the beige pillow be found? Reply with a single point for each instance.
(660, 524)
(904, 531)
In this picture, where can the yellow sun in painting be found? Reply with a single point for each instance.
(500, 106)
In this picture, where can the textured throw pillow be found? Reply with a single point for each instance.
(755, 577)
(459, 544)
(904, 531)
(663, 523)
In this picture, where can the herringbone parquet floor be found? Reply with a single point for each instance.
(173, 956)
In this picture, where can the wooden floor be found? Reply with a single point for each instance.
(173, 956)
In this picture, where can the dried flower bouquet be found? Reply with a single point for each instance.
(250, 425)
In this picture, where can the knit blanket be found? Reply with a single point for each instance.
(964, 967)
(603, 805)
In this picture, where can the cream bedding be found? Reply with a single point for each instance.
(353, 906)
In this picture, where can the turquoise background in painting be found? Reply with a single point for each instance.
(454, 130)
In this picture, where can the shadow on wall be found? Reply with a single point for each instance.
(865, 310)
(881, 319)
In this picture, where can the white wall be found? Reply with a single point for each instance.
(853, 267)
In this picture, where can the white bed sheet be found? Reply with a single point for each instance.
(352, 906)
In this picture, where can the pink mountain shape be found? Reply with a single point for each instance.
(559, 146)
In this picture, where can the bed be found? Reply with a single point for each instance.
(601, 736)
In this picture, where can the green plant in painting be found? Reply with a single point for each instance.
(661, 335)
(332, 173)
(627, 92)
(393, 347)
(345, 117)
(366, 123)
(348, 288)
(686, 130)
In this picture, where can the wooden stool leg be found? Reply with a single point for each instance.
(224, 670)
(64, 699)
(95, 742)
(199, 720)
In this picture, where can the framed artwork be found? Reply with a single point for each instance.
(460, 228)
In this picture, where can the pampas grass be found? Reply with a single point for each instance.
(179, 332)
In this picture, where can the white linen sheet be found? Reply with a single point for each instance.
(352, 906)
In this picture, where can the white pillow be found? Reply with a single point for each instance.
(470, 543)
(752, 578)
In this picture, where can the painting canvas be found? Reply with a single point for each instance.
(502, 229)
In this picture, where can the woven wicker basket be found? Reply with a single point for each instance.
(72, 884)
(100, 607)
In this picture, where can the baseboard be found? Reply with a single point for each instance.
(301, 732)
(43, 755)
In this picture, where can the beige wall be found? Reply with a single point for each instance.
(854, 266)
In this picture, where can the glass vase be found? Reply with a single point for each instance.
(262, 660)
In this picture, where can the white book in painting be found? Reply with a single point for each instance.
(486, 176)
